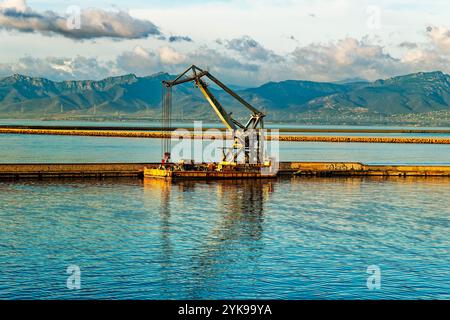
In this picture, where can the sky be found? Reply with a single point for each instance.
(243, 42)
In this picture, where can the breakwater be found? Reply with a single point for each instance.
(296, 130)
(187, 134)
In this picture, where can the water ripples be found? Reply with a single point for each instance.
(283, 239)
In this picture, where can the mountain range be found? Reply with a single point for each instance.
(129, 95)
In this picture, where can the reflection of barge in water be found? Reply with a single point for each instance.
(211, 171)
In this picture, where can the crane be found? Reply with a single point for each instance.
(244, 135)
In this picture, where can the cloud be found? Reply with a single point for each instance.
(433, 54)
(59, 68)
(343, 59)
(243, 61)
(350, 57)
(143, 61)
(138, 61)
(179, 39)
(440, 38)
(18, 5)
(170, 56)
(408, 45)
(249, 48)
(86, 24)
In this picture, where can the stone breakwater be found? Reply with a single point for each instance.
(156, 135)
(365, 139)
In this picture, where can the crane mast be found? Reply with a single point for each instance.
(243, 134)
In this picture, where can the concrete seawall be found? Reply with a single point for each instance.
(360, 169)
(103, 170)
(79, 170)
(156, 134)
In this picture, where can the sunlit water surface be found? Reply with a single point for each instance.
(300, 238)
(75, 149)
(289, 238)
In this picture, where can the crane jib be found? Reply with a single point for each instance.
(195, 74)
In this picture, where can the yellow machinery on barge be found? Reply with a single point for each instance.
(247, 137)
(211, 171)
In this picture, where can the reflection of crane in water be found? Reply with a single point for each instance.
(238, 231)
(241, 215)
(243, 205)
(160, 188)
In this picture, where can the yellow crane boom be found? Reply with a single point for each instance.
(255, 122)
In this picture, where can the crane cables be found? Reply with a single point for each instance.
(166, 119)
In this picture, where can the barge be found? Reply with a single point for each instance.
(211, 171)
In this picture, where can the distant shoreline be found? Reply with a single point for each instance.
(435, 119)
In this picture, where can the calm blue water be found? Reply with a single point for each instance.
(207, 125)
(301, 238)
(66, 149)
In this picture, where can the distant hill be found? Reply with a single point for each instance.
(22, 96)
(414, 93)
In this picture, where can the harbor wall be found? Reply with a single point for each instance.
(104, 170)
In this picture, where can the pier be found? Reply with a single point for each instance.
(105, 170)
(72, 170)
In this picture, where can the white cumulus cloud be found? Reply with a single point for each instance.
(169, 55)
(243, 61)
(93, 23)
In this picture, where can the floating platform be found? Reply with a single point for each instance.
(206, 175)
(321, 169)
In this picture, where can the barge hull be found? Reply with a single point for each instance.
(204, 175)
